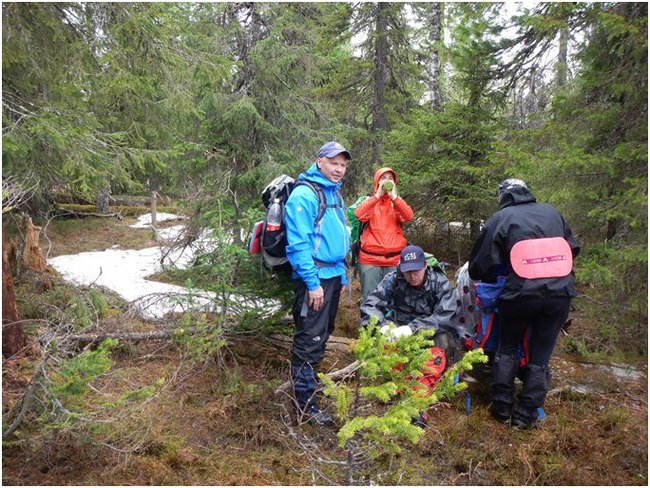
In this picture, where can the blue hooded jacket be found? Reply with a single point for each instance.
(328, 242)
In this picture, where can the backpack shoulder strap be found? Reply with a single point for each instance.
(320, 193)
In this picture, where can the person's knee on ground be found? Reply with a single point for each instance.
(451, 345)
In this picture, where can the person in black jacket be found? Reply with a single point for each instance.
(532, 245)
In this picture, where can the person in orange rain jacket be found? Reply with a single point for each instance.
(382, 239)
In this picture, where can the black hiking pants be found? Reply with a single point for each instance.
(312, 329)
(544, 318)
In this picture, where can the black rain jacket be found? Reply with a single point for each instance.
(520, 217)
(432, 306)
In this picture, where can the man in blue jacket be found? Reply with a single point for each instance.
(317, 255)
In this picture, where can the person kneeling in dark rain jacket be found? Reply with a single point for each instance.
(532, 245)
(414, 297)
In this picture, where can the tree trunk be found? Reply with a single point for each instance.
(153, 186)
(254, 31)
(379, 81)
(32, 254)
(103, 197)
(474, 229)
(13, 335)
(561, 67)
(435, 37)
(237, 237)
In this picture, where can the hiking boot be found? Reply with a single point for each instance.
(315, 415)
(525, 418)
(421, 420)
(528, 412)
(501, 411)
(523, 424)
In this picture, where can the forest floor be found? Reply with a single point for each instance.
(221, 423)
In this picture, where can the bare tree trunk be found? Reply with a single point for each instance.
(379, 81)
(32, 254)
(103, 198)
(474, 229)
(561, 67)
(237, 239)
(435, 37)
(153, 186)
(13, 335)
(254, 31)
(154, 209)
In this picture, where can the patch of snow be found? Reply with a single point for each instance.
(459, 225)
(125, 272)
(171, 232)
(144, 221)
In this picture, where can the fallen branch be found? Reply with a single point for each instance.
(26, 401)
(80, 215)
(334, 343)
(339, 374)
(338, 343)
(85, 339)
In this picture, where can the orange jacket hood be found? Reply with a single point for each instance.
(380, 172)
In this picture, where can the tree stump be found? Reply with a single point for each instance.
(32, 257)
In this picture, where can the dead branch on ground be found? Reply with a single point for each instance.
(339, 374)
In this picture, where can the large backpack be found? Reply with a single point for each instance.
(477, 314)
(270, 235)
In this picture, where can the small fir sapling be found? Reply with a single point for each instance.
(376, 406)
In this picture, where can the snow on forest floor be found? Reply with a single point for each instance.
(125, 272)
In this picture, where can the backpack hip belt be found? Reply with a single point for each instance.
(387, 255)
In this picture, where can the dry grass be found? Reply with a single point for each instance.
(209, 426)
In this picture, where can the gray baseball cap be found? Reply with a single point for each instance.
(332, 149)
